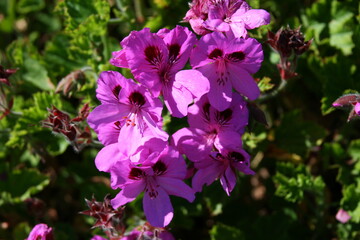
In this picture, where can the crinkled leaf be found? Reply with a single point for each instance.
(341, 31)
(26, 6)
(225, 232)
(297, 136)
(30, 121)
(294, 181)
(265, 84)
(37, 74)
(19, 185)
(354, 149)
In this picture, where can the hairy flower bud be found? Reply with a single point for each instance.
(349, 100)
(5, 74)
(289, 43)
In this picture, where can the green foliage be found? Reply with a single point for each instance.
(19, 185)
(294, 182)
(297, 136)
(48, 40)
(222, 231)
(26, 6)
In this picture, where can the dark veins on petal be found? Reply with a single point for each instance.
(153, 55)
(117, 125)
(206, 111)
(137, 99)
(116, 91)
(224, 116)
(159, 168)
(216, 53)
(236, 157)
(174, 51)
(136, 174)
(236, 56)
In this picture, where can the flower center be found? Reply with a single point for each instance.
(137, 99)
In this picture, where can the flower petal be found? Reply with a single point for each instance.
(158, 210)
(106, 114)
(220, 93)
(192, 143)
(243, 82)
(177, 101)
(107, 157)
(176, 187)
(109, 85)
(255, 18)
(193, 81)
(228, 180)
(205, 176)
(128, 194)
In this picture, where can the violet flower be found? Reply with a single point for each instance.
(156, 60)
(228, 64)
(158, 176)
(41, 232)
(342, 216)
(210, 128)
(148, 232)
(97, 237)
(127, 107)
(197, 14)
(221, 165)
(351, 101)
(234, 17)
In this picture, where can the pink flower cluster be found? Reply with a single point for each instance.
(137, 152)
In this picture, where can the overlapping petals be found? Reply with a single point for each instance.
(156, 60)
(228, 64)
(158, 176)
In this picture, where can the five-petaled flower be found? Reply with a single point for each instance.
(159, 175)
(156, 60)
(228, 63)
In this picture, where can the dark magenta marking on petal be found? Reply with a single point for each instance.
(206, 111)
(216, 53)
(236, 56)
(117, 125)
(136, 174)
(174, 51)
(137, 99)
(159, 168)
(116, 91)
(152, 54)
(224, 116)
(236, 157)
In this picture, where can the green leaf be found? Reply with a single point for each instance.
(297, 136)
(225, 232)
(354, 149)
(265, 84)
(30, 122)
(21, 184)
(336, 73)
(37, 74)
(341, 31)
(26, 6)
(293, 181)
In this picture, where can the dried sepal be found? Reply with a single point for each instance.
(107, 218)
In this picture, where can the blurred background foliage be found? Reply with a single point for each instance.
(307, 159)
